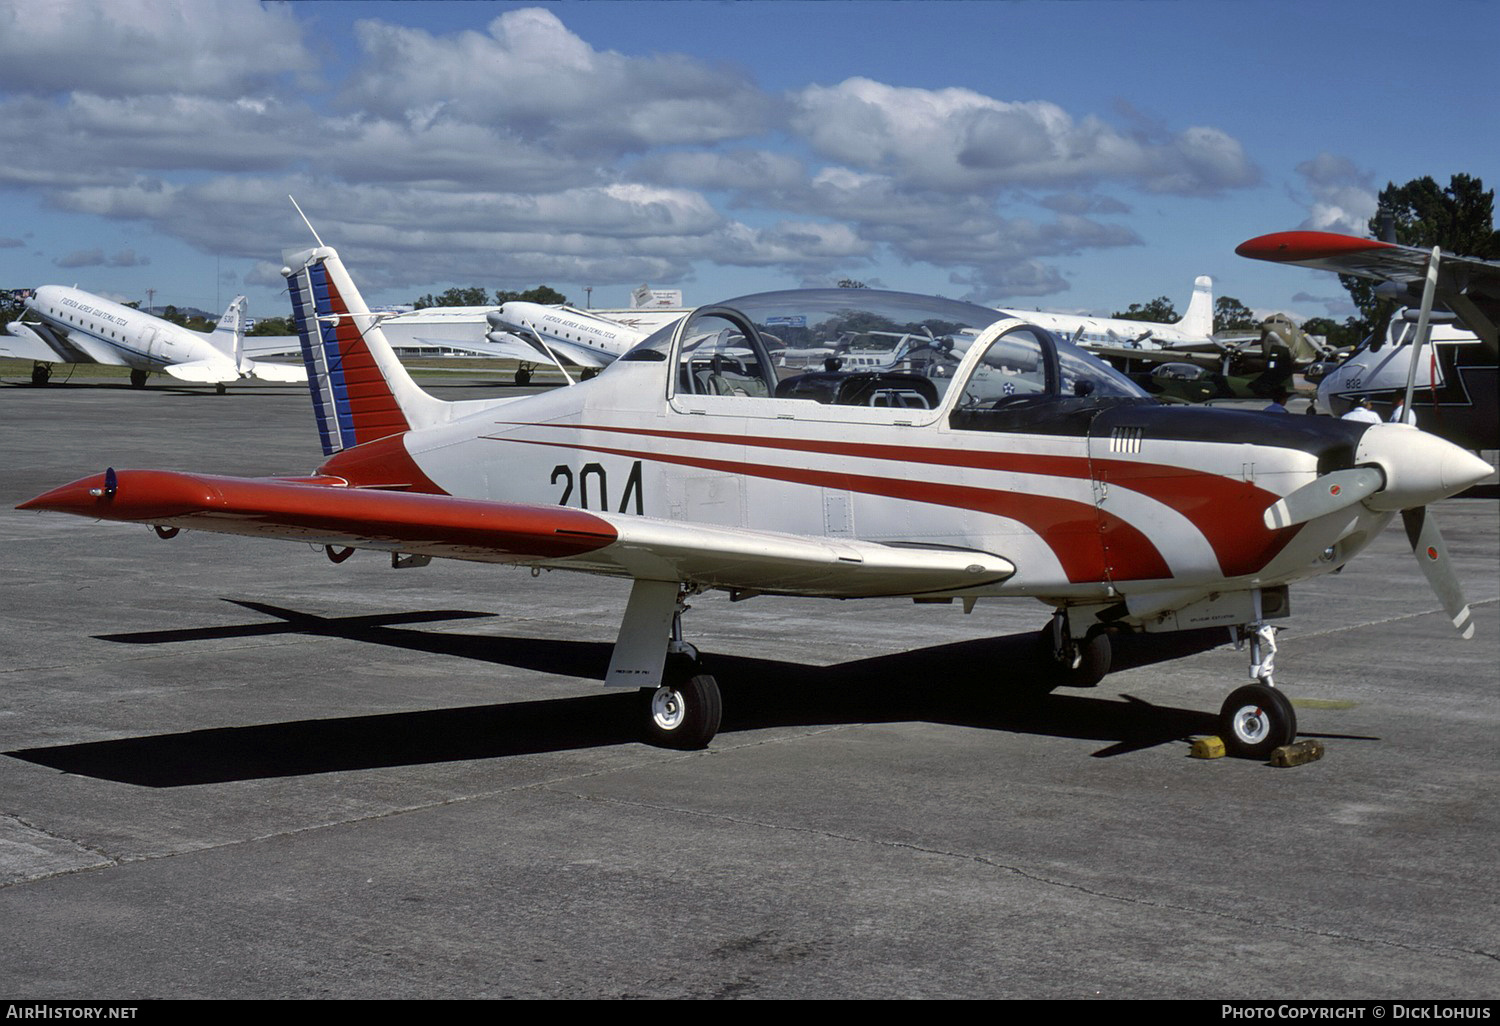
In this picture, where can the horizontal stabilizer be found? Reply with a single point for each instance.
(277, 372)
(203, 372)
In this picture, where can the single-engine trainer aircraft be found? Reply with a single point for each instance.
(996, 462)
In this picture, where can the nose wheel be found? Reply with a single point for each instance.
(1256, 720)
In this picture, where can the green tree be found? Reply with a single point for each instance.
(11, 307)
(542, 294)
(1341, 336)
(455, 297)
(1159, 311)
(851, 283)
(272, 326)
(1459, 217)
(1232, 315)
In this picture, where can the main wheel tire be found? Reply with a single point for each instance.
(138, 378)
(523, 377)
(683, 714)
(1256, 720)
(1094, 653)
(40, 374)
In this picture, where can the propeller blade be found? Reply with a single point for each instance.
(1328, 494)
(1432, 556)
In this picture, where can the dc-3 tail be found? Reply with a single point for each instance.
(228, 336)
(360, 391)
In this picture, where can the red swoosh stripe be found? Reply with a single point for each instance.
(1227, 512)
(1070, 528)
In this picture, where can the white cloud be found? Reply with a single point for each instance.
(530, 75)
(135, 47)
(1340, 196)
(951, 139)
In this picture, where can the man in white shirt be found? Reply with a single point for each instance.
(1362, 411)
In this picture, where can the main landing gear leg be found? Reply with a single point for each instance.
(1073, 662)
(1257, 719)
(681, 704)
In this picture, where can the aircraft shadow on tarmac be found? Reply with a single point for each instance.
(986, 684)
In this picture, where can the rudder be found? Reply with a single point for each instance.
(360, 392)
(1199, 319)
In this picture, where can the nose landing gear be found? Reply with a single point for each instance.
(1257, 719)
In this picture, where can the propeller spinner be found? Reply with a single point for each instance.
(1401, 468)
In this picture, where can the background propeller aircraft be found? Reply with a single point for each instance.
(1194, 330)
(1448, 377)
(69, 325)
(1012, 465)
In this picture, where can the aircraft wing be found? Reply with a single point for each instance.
(1468, 286)
(259, 347)
(316, 511)
(26, 344)
(504, 348)
(1206, 358)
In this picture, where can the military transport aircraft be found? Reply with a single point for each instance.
(1012, 465)
(69, 325)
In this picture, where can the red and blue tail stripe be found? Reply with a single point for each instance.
(351, 399)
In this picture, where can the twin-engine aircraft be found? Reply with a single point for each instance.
(68, 325)
(999, 462)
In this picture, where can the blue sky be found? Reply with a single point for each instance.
(1070, 156)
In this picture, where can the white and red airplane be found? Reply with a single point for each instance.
(1006, 464)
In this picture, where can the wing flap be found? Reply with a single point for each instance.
(448, 527)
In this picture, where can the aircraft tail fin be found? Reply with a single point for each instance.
(1199, 319)
(228, 336)
(360, 391)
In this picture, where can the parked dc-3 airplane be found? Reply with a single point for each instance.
(533, 334)
(73, 326)
(1028, 469)
(558, 335)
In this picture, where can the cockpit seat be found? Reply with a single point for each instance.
(861, 388)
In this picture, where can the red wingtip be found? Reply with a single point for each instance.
(82, 496)
(1290, 247)
(144, 495)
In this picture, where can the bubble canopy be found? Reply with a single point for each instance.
(864, 331)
